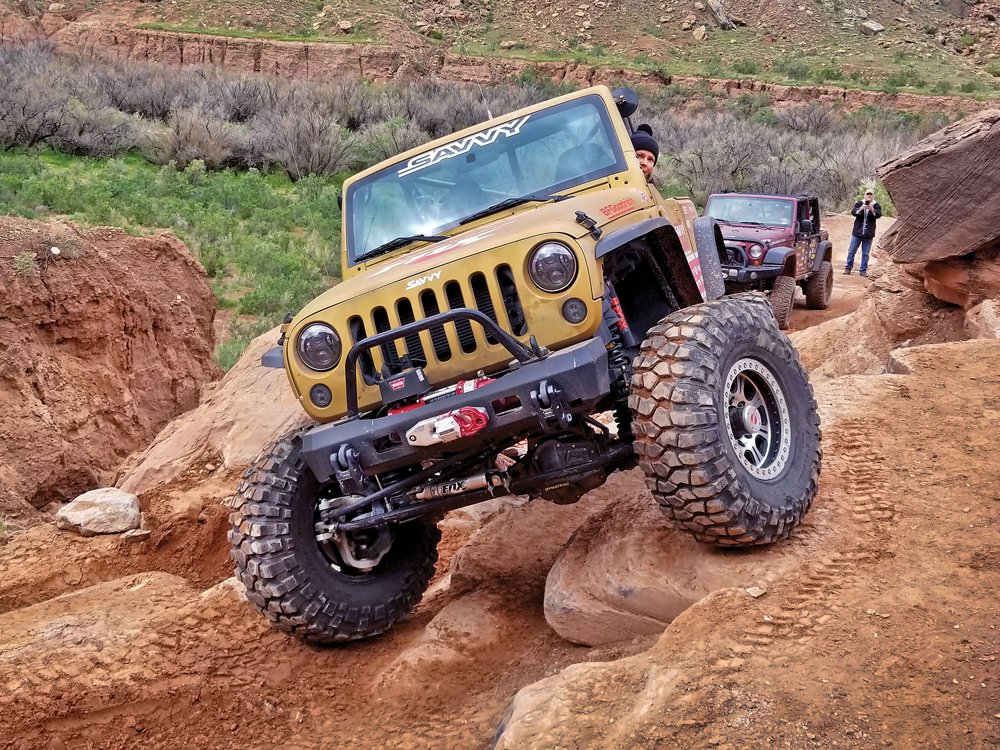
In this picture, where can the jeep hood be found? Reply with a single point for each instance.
(529, 221)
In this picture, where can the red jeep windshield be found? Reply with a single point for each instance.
(738, 209)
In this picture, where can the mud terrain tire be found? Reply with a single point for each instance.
(783, 300)
(690, 402)
(819, 288)
(288, 577)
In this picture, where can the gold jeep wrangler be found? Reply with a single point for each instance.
(502, 287)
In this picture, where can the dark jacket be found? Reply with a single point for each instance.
(864, 221)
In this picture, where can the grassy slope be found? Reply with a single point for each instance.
(268, 244)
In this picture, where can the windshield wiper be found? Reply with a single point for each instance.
(399, 242)
(510, 203)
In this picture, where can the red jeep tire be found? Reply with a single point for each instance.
(783, 299)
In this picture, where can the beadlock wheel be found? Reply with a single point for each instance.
(757, 418)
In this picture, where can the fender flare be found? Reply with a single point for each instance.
(711, 248)
(781, 256)
(823, 253)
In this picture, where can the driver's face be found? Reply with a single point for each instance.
(646, 162)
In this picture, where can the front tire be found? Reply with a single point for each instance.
(819, 288)
(294, 580)
(727, 431)
(783, 300)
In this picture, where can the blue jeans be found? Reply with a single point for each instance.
(852, 249)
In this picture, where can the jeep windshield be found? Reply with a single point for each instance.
(526, 158)
(734, 209)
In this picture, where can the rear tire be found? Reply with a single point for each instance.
(819, 288)
(289, 577)
(727, 431)
(783, 299)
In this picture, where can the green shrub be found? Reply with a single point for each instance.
(713, 67)
(746, 67)
(793, 69)
(942, 87)
(969, 87)
(828, 73)
(25, 264)
(993, 68)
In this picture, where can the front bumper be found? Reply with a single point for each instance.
(750, 274)
(579, 372)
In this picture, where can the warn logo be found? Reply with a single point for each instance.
(414, 283)
(463, 145)
(397, 383)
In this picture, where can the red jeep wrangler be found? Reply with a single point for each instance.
(774, 243)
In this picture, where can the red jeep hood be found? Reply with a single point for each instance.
(756, 234)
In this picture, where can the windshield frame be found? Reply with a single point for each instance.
(464, 144)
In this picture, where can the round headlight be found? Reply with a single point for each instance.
(552, 267)
(319, 347)
(756, 251)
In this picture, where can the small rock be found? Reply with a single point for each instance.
(756, 592)
(587, 25)
(871, 28)
(56, 7)
(508, 45)
(699, 6)
(108, 510)
(136, 535)
(700, 33)
(345, 26)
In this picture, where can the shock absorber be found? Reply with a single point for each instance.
(619, 362)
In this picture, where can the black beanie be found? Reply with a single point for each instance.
(642, 140)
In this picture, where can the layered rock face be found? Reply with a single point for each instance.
(101, 344)
(945, 189)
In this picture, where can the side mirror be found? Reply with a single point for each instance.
(340, 200)
(806, 226)
(627, 101)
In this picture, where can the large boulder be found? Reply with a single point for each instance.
(945, 192)
(104, 511)
(103, 343)
(628, 572)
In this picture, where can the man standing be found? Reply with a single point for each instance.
(865, 213)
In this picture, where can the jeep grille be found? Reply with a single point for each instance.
(488, 294)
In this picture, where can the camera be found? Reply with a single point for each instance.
(867, 202)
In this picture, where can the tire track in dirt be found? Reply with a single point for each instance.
(808, 602)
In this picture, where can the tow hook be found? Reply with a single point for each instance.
(459, 423)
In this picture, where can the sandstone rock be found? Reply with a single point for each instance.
(345, 26)
(699, 6)
(941, 216)
(688, 23)
(463, 631)
(508, 45)
(247, 410)
(627, 572)
(136, 535)
(516, 548)
(57, 7)
(964, 281)
(871, 28)
(700, 33)
(983, 320)
(103, 511)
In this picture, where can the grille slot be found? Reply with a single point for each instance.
(429, 303)
(357, 328)
(414, 347)
(466, 339)
(484, 302)
(389, 354)
(511, 301)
